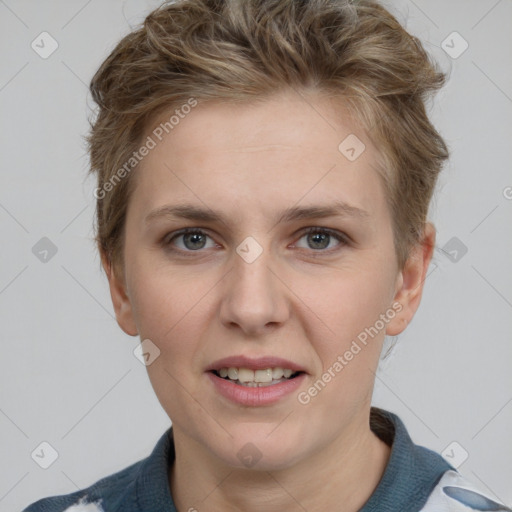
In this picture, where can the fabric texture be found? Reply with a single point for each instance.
(454, 493)
(416, 479)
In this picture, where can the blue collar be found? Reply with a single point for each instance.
(412, 471)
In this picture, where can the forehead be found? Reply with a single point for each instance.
(286, 149)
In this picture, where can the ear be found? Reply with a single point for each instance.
(411, 279)
(120, 299)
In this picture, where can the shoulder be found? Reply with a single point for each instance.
(419, 479)
(135, 488)
(105, 492)
(453, 493)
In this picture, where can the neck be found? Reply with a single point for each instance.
(347, 472)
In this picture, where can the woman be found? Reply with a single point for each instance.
(265, 169)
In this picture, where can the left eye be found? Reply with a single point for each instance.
(320, 238)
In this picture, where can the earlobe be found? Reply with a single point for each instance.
(120, 300)
(411, 280)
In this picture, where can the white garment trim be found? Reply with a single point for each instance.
(454, 493)
(82, 506)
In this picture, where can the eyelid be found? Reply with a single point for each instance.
(340, 235)
(169, 237)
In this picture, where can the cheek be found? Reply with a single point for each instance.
(167, 304)
(346, 330)
(345, 302)
(172, 311)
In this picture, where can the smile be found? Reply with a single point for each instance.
(256, 378)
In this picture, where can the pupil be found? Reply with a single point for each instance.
(194, 237)
(320, 238)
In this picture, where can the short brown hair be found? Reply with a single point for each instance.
(244, 50)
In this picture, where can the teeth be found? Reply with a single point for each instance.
(263, 375)
(232, 373)
(277, 373)
(245, 375)
(256, 378)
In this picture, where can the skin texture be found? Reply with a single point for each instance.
(295, 301)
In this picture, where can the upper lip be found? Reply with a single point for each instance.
(260, 363)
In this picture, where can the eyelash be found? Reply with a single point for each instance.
(340, 237)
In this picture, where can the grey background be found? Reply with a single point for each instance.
(68, 375)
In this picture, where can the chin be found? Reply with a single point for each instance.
(255, 449)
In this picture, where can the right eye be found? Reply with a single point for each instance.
(192, 240)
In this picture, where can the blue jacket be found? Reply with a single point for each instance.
(416, 479)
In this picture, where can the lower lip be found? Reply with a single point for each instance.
(254, 397)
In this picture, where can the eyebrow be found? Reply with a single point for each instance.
(192, 212)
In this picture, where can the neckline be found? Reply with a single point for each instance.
(410, 475)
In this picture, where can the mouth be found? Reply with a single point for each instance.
(256, 378)
(254, 382)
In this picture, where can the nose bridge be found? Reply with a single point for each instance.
(253, 298)
(252, 270)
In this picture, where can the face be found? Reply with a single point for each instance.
(289, 262)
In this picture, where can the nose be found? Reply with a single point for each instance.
(254, 298)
